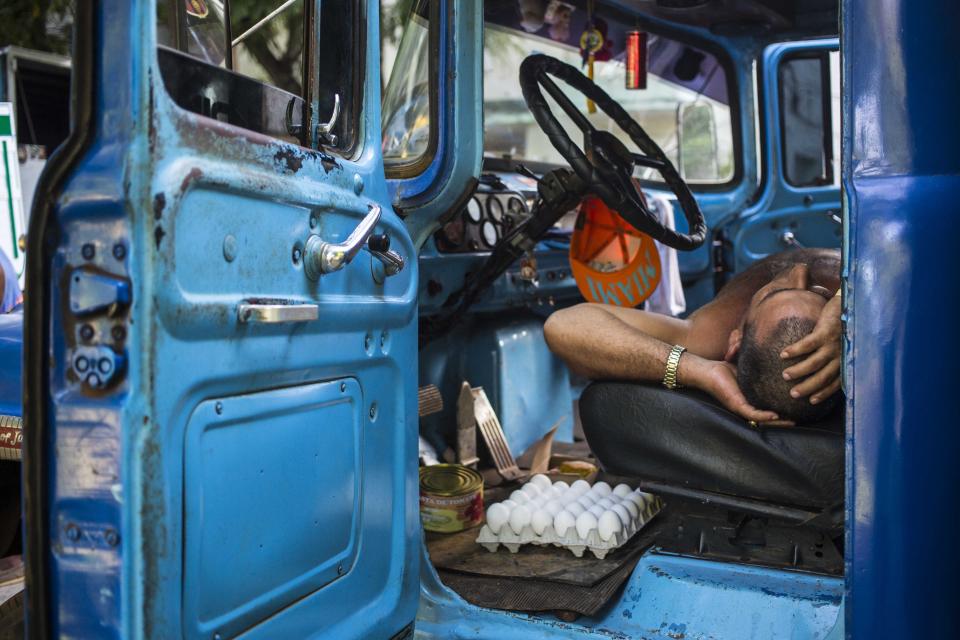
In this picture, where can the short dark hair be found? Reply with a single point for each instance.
(760, 372)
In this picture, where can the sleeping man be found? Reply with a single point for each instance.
(767, 347)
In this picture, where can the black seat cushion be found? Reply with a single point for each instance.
(683, 438)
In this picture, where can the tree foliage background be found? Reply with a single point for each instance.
(37, 24)
(45, 25)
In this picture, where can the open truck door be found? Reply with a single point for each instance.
(222, 340)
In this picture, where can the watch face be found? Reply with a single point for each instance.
(474, 211)
(489, 234)
(515, 206)
(495, 208)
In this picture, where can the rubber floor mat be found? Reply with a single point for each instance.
(541, 595)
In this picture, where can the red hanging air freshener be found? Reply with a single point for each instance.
(636, 59)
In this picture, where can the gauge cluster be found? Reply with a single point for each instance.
(486, 218)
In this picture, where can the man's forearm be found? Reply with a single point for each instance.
(596, 344)
(600, 345)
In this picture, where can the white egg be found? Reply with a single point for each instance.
(497, 515)
(596, 510)
(606, 503)
(623, 514)
(551, 493)
(540, 520)
(585, 501)
(580, 486)
(602, 488)
(637, 498)
(519, 497)
(586, 522)
(531, 489)
(553, 507)
(560, 485)
(621, 490)
(630, 506)
(542, 481)
(567, 498)
(575, 508)
(563, 521)
(509, 504)
(608, 524)
(519, 518)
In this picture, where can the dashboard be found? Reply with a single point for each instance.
(501, 201)
(499, 204)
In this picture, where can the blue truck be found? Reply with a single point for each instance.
(237, 280)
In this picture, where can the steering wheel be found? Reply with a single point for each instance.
(607, 166)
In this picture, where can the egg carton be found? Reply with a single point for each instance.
(577, 516)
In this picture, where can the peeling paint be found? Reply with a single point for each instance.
(158, 234)
(290, 158)
(159, 202)
(195, 174)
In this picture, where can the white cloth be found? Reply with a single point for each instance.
(668, 298)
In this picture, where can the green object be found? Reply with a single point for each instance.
(6, 125)
(6, 174)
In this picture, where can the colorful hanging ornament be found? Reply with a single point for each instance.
(636, 59)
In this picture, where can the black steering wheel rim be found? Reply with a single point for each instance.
(625, 201)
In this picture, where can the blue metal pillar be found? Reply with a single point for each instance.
(901, 161)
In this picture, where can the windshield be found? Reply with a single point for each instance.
(685, 102)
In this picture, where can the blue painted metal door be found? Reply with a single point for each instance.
(224, 446)
(799, 200)
(901, 181)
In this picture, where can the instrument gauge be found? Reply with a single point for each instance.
(474, 211)
(515, 206)
(495, 208)
(489, 234)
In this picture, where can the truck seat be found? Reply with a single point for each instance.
(684, 439)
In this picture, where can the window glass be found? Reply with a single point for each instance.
(196, 27)
(407, 101)
(806, 120)
(245, 62)
(269, 42)
(687, 98)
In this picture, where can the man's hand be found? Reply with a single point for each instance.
(719, 379)
(822, 362)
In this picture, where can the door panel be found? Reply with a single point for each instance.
(266, 502)
(238, 473)
(787, 215)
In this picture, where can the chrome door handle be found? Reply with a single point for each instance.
(320, 257)
(276, 312)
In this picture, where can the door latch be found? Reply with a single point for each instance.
(379, 247)
(325, 129)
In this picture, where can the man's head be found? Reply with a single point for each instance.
(780, 313)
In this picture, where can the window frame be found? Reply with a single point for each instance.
(828, 179)
(418, 166)
(352, 106)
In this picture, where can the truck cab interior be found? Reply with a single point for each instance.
(270, 228)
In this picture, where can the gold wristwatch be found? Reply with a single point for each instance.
(673, 363)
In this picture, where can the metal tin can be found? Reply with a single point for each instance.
(451, 498)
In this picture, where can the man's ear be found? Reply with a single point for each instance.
(733, 345)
